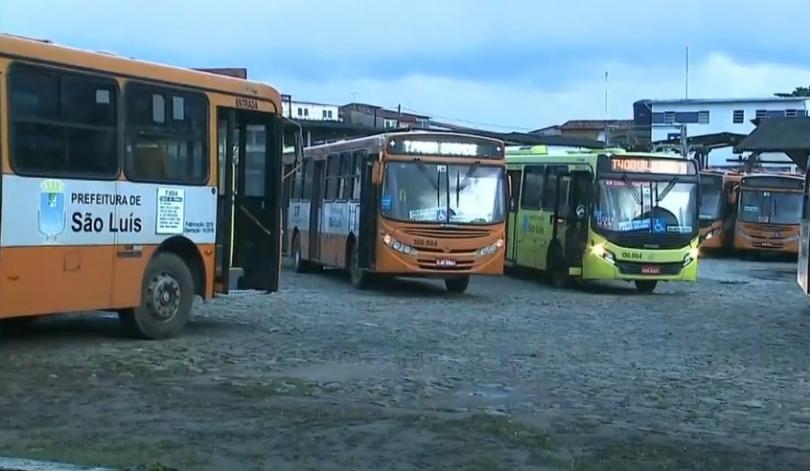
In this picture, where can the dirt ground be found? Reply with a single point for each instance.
(511, 375)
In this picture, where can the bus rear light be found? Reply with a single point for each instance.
(489, 249)
(398, 246)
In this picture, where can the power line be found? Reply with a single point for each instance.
(464, 121)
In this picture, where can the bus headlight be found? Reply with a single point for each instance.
(709, 235)
(791, 239)
(489, 249)
(601, 251)
(691, 256)
(398, 246)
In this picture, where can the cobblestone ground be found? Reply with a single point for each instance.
(512, 375)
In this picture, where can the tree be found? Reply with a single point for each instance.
(798, 92)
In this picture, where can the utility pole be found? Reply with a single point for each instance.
(606, 94)
(686, 76)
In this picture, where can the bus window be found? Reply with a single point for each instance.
(254, 166)
(332, 177)
(160, 149)
(63, 123)
(533, 182)
(306, 185)
(346, 180)
(357, 172)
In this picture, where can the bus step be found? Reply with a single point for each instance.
(234, 276)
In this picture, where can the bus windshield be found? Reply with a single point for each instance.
(711, 197)
(443, 193)
(762, 206)
(657, 207)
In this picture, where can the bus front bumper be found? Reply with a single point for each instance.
(608, 262)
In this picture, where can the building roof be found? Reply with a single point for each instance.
(382, 112)
(787, 135)
(594, 124)
(720, 101)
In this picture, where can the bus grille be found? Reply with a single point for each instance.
(635, 268)
(440, 233)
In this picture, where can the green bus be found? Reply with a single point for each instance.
(606, 214)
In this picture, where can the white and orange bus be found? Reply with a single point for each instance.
(416, 204)
(132, 187)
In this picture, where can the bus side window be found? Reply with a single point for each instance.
(62, 123)
(357, 172)
(166, 135)
(532, 193)
(805, 205)
(297, 185)
(550, 190)
(514, 188)
(332, 177)
(306, 180)
(345, 176)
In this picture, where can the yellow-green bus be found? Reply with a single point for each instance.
(608, 214)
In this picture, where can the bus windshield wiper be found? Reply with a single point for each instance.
(663, 194)
(435, 184)
(633, 190)
(465, 180)
(427, 174)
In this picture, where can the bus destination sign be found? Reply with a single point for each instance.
(444, 147)
(647, 165)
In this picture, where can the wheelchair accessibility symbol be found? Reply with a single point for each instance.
(659, 226)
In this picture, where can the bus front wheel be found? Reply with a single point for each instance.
(166, 299)
(299, 264)
(646, 286)
(457, 285)
(360, 278)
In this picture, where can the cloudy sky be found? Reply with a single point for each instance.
(498, 64)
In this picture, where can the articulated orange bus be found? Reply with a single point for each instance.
(718, 208)
(423, 204)
(132, 187)
(769, 211)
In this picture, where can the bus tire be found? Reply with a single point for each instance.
(167, 296)
(299, 264)
(360, 278)
(457, 285)
(646, 286)
(14, 325)
(557, 269)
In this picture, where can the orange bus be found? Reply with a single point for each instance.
(717, 208)
(769, 211)
(132, 187)
(424, 204)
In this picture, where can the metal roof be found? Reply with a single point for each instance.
(708, 101)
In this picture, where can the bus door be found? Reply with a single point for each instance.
(512, 230)
(315, 206)
(803, 270)
(560, 181)
(248, 232)
(576, 228)
(368, 212)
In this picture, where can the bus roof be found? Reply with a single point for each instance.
(535, 154)
(15, 47)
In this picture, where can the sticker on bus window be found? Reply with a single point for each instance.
(751, 209)
(441, 168)
(102, 97)
(387, 202)
(659, 226)
(679, 229)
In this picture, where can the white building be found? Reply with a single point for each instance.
(711, 116)
(307, 110)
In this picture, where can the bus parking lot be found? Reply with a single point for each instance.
(513, 374)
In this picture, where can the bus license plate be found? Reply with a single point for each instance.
(443, 262)
(651, 270)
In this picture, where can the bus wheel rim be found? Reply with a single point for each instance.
(165, 296)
